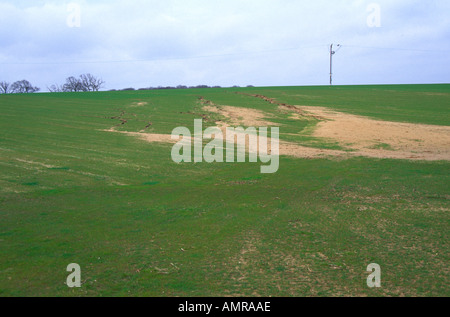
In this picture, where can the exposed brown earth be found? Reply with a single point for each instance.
(360, 136)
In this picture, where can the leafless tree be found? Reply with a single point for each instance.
(85, 82)
(56, 88)
(4, 87)
(23, 87)
(91, 83)
(73, 85)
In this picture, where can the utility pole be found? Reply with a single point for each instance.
(331, 62)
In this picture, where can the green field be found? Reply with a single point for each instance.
(140, 225)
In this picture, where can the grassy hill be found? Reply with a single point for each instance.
(140, 225)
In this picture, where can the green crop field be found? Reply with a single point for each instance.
(139, 224)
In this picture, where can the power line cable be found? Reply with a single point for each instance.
(398, 49)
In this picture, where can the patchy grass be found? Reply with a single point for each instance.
(140, 225)
(382, 146)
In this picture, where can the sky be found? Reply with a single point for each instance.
(139, 44)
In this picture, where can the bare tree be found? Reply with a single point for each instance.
(56, 88)
(4, 87)
(73, 85)
(85, 82)
(23, 87)
(91, 83)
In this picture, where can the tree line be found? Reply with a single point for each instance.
(85, 82)
(177, 87)
(18, 87)
(82, 83)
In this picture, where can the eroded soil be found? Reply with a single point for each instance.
(358, 135)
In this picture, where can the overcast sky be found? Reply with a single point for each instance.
(137, 43)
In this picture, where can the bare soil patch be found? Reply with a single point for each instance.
(139, 104)
(241, 116)
(360, 136)
(383, 139)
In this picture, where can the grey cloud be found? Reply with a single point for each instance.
(221, 42)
